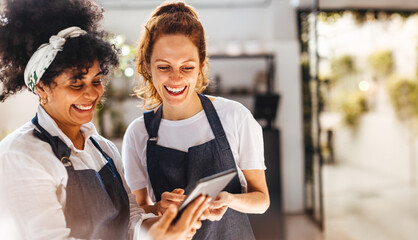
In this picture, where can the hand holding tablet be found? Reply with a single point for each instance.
(210, 186)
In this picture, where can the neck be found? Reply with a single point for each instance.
(71, 131)
(184, 111)
(74, 134)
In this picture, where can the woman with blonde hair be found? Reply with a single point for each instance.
(187, 136)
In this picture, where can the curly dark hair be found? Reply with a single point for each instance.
(27, 24)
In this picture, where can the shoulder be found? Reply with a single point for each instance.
(136, 127)
(235, 115)
(22, 152)
(224, 104)
(22, 141)
(136, 133)
(227, 108)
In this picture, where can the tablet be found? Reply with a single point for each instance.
(210, 185)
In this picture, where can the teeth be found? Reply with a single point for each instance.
(83, 107)
(175, 90)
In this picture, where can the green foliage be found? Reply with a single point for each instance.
(352, 106)
(126, 57)
(361, 17)
(330, 17)
(117, 90)
(381, 62)
(403, 95)
(341, 67)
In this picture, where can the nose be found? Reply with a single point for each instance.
(176, 74)
(91, 92)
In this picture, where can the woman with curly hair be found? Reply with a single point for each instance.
(59, 178)
(188, 136)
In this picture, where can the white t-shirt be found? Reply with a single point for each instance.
(33, 181)
(243, 132)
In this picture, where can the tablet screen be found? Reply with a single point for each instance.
(210, 185)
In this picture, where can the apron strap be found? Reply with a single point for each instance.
(152, 122)
(60, 149)
(109, 159)
(214, 122)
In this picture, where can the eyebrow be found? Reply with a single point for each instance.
(74, 76)
(162, 60)
(99, 73)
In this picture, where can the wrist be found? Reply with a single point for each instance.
(229, 198)
(157, 209)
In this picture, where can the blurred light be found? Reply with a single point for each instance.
(295, 3)
(233, 48)
(119, 39)
(364, 85)
(3, 21)
(125, 50)
(129, 72)
(252, 47)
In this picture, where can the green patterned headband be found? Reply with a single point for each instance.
(45, 54)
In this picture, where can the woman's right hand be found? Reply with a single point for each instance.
(176, 197)
(186, 225)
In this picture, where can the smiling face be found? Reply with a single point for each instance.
(71, 100)
(175, 69)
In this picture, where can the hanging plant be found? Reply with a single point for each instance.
(381, 63)
(352, 105)
(342, 67)
(403, 95)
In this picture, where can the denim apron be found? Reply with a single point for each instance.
(169, 169)
(97, 205)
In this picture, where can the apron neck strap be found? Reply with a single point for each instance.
(152, 122)
(108, 158)
(60, 149)
(212, 116)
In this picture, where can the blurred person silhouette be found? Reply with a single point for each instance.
(59, 178)
(186, 135)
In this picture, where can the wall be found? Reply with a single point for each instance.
(17, 110)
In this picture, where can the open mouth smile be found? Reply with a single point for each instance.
(83, 107)
(175, 91)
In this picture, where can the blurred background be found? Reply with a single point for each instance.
(334, 83)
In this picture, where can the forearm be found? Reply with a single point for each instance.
(253, 202)
(145, 202)
(257, 199)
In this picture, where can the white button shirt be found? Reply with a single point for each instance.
(33, 181)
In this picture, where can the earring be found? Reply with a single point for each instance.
(44, 101)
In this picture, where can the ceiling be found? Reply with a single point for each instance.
(411, 5)
(359, 4)
(195, 3)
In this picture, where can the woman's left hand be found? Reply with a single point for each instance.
(218, 207)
